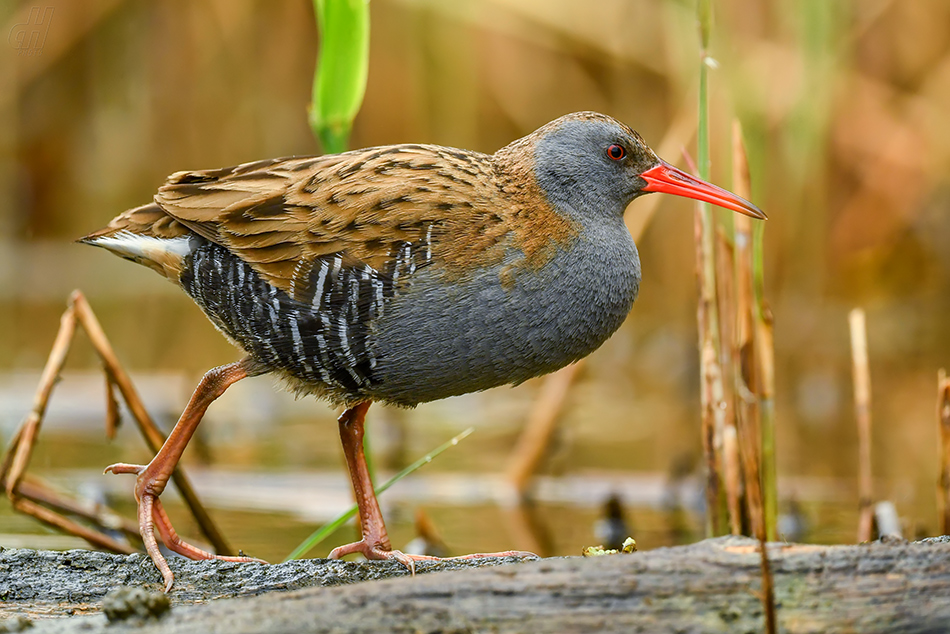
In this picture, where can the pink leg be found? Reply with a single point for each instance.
(153, 477)
(375, 541)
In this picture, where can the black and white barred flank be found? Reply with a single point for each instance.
(320, 333)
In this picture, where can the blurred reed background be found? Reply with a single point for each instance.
(846, 111)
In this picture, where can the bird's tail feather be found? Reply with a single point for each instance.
(148, 236)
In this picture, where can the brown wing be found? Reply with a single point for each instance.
(147, 220)
(281, 214)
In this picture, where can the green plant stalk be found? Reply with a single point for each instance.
(705, 20)
(328, 529)
(339, 81)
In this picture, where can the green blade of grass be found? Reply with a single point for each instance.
(328, 529)
(704, 15)
(342, 67)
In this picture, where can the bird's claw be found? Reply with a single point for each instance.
(124, 467)
(152, 517)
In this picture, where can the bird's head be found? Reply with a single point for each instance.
(591, 164)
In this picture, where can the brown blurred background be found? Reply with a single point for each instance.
(846, 109)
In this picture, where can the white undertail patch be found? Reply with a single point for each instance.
(126, 243)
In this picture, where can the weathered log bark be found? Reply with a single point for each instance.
(711, 586)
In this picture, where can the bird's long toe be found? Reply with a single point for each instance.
(124, 467)
(176, 544)
(498, 555)
(373, 552)
(153, 518)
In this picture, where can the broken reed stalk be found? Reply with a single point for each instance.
(33, 497)
(862, 409)
(117, 375)
(732, 476)
(749, 448)
(745, 351)
(765, 353)
(943, 420)
(18, 455)
(99, 514)
(534, 440)
(726, 297)
(750, 365)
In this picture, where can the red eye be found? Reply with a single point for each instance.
(616, 152)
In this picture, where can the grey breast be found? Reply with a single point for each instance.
(439, 338)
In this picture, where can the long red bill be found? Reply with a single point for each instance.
(666, 179)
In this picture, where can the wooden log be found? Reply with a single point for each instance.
(890, 586)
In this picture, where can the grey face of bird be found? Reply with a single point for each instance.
(595, 167)
(592, 167)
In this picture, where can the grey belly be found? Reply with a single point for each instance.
(439, 339)
(433, 338)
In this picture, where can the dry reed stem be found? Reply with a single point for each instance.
(711, 385)
(765, 354)
(754, 348)
(32, 496)
(749, 448)
(534, 440)
(117, 375)
(21, 449)
(862, 408)
(748, 360)
(113, 418)
(732, 477)
(101, 515)
(26, 495)
(726, 297)
(943, 421)
(744, 352)
(7, 461)
(66, 525)
(712, 390)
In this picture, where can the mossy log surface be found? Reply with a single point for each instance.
(712, 586)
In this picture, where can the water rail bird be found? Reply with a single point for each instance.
(401, 274)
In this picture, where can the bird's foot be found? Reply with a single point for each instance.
(152, 516)
(498, 555)
(373, 551)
